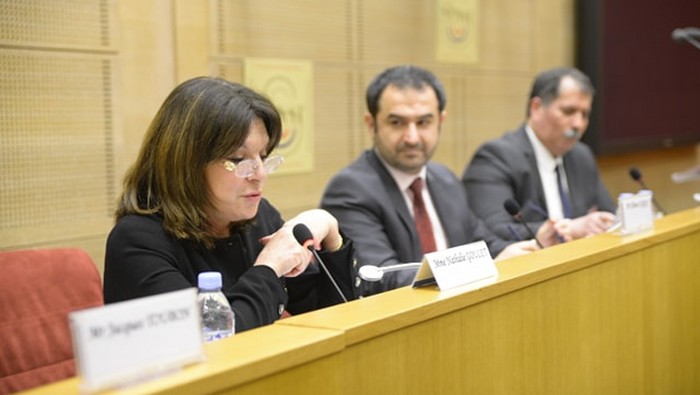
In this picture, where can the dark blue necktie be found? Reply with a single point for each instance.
(565, 201)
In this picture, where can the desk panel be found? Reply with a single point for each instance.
(232, 362)
(607, 314)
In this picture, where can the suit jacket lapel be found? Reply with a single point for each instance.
(531, 160)
(443, 206)
(575, 184)
(396, 198)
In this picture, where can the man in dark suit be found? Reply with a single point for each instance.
(543, 166)
(372, 197)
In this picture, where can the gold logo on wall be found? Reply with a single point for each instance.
(457, 31)
(288, 84)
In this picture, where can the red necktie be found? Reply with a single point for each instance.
(423, 226)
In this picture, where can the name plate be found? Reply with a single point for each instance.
(456, 266)
(636, 212)
(121, 343)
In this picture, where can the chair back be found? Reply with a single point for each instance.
(38, 288)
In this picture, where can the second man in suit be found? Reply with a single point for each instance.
(391, 218)
(543, 166)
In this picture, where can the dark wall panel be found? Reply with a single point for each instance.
(648, 85)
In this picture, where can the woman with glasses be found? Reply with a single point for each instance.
(193, 202)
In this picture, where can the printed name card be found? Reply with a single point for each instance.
(121, 343)
(456, 266)
(636, 212)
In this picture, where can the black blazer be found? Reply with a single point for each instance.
(142, 259)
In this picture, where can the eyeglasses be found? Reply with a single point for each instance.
(247, 168)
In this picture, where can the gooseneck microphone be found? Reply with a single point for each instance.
(373, 273)
(513, 208)
(688, 34)
(305, 238)
(637, 176)
(681, 33)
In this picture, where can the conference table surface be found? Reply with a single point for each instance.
(605, 313)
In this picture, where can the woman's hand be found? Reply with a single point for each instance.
(283, 253)
(323, 227)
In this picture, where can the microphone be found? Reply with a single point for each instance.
(637, 176)
(572, 134)
(513, 208)
(305, 238)
(692, 174)
(682, 33)
(689, 34)
(375, 273)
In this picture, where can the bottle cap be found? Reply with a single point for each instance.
(209, 281)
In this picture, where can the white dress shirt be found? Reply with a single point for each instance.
(546, 164)
(404, 180)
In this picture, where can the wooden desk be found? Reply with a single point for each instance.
(604, 315)
(232, 362)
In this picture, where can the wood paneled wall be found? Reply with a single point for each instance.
(78, 91)
(59, 122)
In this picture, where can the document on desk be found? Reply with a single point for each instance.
(118, 344)
(456, 266)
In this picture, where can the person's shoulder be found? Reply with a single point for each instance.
(442, 173)
(508, 140)
(507, 147)
(582, 149)
(360, 171)
(134, 226)
(438, 168)
(581, 152)
(132, 222)
(366, 159)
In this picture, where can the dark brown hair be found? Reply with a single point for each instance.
(202, 120)
(404, 76)
(547, 84)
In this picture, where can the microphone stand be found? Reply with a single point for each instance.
(692, 41)
(304, 237)
(328, 273)
(686, 34)
(373, 273)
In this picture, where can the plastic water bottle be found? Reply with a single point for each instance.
(217, 316)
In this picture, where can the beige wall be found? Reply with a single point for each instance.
(66, 145)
